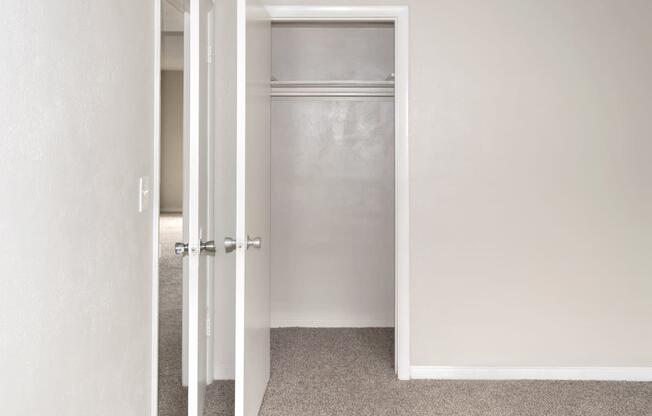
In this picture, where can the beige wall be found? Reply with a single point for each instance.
(76, 128)
(171, 141)
(172, 51)
(531, 159)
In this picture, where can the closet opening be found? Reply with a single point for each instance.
(333, 195)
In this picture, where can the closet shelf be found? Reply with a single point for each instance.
(340, 88)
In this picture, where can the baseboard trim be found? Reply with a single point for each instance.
(324, 323)
(224, 372)
(531, 373)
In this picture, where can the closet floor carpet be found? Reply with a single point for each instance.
(347, 372)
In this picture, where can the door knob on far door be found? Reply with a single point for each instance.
(181, 249)
(255, 243)
(207, 247)
(229, 244)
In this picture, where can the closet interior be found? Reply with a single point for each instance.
(332, 174)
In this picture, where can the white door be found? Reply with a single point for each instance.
(197, 196)
(252, 207)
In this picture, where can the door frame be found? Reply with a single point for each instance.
(399, 15)
(156, 206)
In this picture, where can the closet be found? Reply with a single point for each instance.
(332, 174)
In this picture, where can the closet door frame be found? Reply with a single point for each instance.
(398, 15)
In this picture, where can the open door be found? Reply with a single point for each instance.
(197, 215)
(252, 206)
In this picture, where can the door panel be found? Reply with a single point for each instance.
(225, 188)
(253, 206)
(198, 215)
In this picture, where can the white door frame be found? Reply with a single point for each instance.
(399, 16)
(156, 206)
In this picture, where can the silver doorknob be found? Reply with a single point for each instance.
(255, 243)
(208, 247)
(229, 244)
(181, 249)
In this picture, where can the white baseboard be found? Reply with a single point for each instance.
(325, 323)
(531, 373)
(224, 372)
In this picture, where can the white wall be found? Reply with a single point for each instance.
(332, 213)
(171, 141)
(531, 207)
(332, 51)
(77, 125)
(332, 180)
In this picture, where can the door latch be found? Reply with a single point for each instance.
(207, 247)
(181, 249)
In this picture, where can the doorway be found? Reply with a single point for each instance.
(172, 399)
(333, 194)
(186, 382)
(332, 175)
(172, 370)
(393, 19)
(251, 306)
(247, 92)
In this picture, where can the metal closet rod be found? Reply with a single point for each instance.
(335, 88)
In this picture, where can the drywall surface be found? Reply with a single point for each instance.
(77, 119)
(332, 213)
(332, 51)
(171, 141)
(332, 180)
(172, 51)
(530, 167)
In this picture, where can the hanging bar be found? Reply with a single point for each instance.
(332, 88)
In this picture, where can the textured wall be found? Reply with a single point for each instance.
(332, 213)
(332, 180)
(332, 51)
(76, 92)
(531, 206)
(171, 141)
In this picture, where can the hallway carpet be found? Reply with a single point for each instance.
(173, 397)
(319, 372)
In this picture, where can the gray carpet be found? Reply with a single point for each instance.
(173, 397)
(349, 372)
(346, 372)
